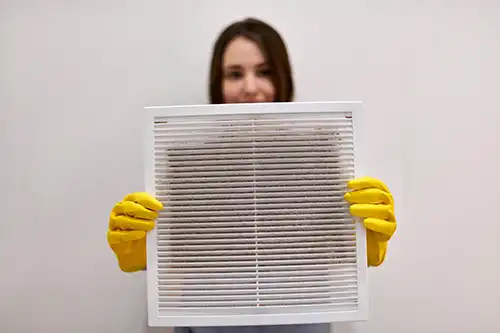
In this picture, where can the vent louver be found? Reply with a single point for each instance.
(255, 230)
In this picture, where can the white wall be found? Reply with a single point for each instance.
(75, 74)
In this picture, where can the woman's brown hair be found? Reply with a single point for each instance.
(272, 47)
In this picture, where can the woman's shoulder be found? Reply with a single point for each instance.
(308, 328)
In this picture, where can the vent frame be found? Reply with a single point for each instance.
(259, 316)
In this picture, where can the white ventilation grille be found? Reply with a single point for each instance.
(255, 230)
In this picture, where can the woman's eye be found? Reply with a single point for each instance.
(265, 72)
(234, 75)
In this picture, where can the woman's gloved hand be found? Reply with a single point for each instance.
(372, 201)
(129, 222)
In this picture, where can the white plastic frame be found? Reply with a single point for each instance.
(158, 320)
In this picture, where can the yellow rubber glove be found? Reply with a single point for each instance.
(129, 222)
(372, 201)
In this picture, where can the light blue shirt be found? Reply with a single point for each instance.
(309, 328)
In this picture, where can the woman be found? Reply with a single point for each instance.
(250, 64)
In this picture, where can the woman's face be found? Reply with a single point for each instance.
(246, 75)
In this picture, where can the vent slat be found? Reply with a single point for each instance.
(257, 163)
(341, 277)
(332, 246)
(318, 122)
(261, 269)
(251, 199)
(234, 253)
(262, 135)
(249, 232)
(199, 257)
(250, 291)
(272, 276)
(250, 285)
(250, 148)
(268, 224)
(250, 156)
(320, 298)
(258, 169)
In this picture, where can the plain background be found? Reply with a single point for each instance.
(74, 76)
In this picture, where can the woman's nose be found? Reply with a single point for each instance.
(250, 84)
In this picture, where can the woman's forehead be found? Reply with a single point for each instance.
(242, 52)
